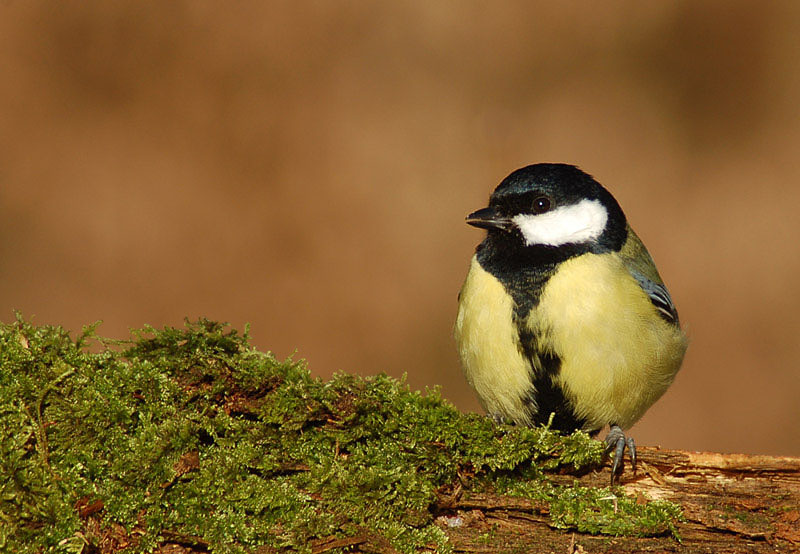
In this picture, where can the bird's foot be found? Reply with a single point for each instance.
(616, 441)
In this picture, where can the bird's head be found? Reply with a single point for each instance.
(552, 206)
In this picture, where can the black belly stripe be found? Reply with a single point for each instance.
(524, 274)
(547, 397)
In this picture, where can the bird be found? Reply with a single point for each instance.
(563, 319)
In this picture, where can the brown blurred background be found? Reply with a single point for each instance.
(307, 166)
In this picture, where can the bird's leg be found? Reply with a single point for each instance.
(632, 452)
(616, 441)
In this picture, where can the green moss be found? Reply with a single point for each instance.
(750, 518)
(193, 434)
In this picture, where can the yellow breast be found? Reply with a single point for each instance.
(488, 344)
(618, 356)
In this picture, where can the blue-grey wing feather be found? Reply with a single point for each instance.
(659, 296)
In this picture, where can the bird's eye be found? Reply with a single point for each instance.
(541, 204)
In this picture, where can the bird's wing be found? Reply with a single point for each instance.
(640, 265)
(659, 296)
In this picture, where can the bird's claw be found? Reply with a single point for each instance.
(616, 441)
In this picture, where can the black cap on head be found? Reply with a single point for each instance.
(565, 182)
(562, 185)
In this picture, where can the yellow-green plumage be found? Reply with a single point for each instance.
(617, 355)
(599, 313)
(488, 344)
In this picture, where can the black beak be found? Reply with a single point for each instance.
(488, 218)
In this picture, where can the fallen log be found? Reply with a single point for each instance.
(731, 503)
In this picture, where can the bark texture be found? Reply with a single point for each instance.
(731, 503)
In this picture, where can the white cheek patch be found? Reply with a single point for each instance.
(575, 224)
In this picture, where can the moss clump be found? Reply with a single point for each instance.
(192, 436)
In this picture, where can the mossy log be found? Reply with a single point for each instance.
(191, 440)
(730, 502)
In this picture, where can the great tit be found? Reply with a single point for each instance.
(563, 314)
